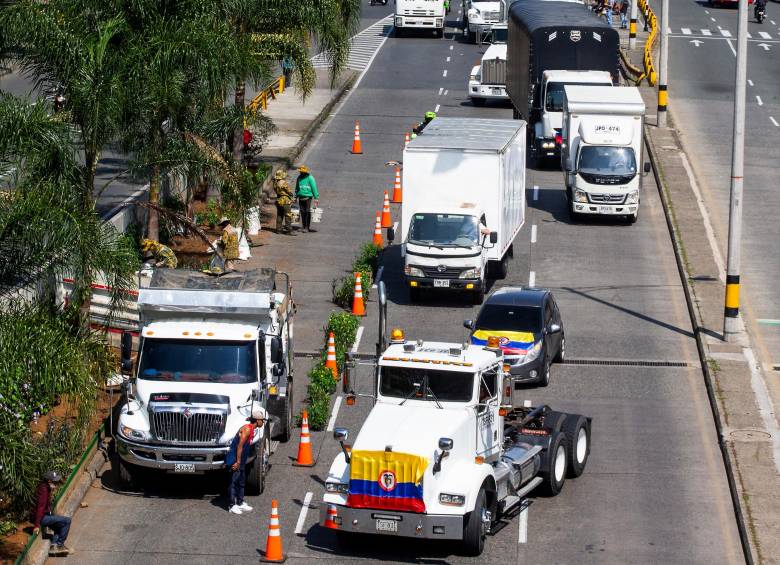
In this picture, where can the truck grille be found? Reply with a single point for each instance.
(607, 198)
(606, 179)
(418, 13)
(188, 426)
(447, 273)
(494, 71)
(491, 17)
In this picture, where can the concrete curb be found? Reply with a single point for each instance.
(703, 350)
(70, 501)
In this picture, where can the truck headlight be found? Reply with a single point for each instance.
(475, 273)
(131, 433)
(452, 499)
(399, 22)
(633, 197)
(413, 271)
(580, 196)
(341, 488)
(439, 22)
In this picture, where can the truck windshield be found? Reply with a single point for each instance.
(198, 361)
(607, 160)
(553, 99)
(500, 35)
(444, 229)
(498, 317)
(426, 384)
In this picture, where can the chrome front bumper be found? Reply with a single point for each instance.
(165, 457)
(410, 525)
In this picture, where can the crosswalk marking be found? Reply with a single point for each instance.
(706, 32)
(725, 33)
(686, 31)
(749, 36)
(364, 45)
(764, 35)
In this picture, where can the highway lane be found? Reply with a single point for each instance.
(654, 490)
(701, 87)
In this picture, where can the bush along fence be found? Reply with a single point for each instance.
(344, 327)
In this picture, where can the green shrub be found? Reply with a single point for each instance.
(210, 216)
(367, 259)
(319, 407)
(344, 327)
(320, 376)
(344, 288)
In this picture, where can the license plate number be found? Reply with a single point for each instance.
(496, 91)
(441, 283)
(605, 209)
(386, 526)
(184, 468)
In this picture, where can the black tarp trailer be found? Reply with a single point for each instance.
(550, 35)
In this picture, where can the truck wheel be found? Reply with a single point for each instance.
(503, 267)
(255, 475)
(560, 357)
(555, 472)
(510, 252)
(474, 531)
(125, 472)
(632, 218)
(578, 447)
(286, 424)
(478, 101)
(478, 296)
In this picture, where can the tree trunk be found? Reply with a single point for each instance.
(153, 226)
(238, 135)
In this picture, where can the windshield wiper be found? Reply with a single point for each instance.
(436, 400)
(411, 392)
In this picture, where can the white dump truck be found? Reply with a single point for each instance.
(487, 80)
(603, 150)
(443, 454)
(211, 349)
(464, 203)
(419, 14)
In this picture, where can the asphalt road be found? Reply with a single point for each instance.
(701, 95)
(654, 490)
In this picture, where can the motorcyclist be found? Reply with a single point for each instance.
(759, 6)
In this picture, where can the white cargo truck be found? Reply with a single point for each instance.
(487, 80)
(443, 454)
(603, 150)
(211, 349)
(464, 203)
(419, 14)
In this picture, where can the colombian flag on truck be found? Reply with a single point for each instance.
(511, 343)
(386, 480)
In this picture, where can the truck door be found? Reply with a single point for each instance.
(488, 432)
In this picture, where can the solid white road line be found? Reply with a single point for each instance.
(774, 122)
(764, 35)
(725, 33)
(760, 102)
(732, 47)
(444, 73)
(706, 32)
(532, 279)
(304, 511)
(750, 82)
(522, 526)
(441, 90)
(332, 421)
(436, 109)
(536, 192)
(359, 332)
(686, 31)
(533, 233)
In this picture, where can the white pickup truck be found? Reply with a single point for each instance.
(442, 454)
(211, 348)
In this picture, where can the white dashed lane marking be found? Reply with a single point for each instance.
(533, 233)
(444, 73)
(304, 511)
(774, 121)
(760, 102)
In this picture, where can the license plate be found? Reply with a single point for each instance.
(605, 209)
(441, 283)
(386, 526)
(496, 91)
(184, 468)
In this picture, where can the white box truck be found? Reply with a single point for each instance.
(603, 150)
(464, 203)
(419, 14)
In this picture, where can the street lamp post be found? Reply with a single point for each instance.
(663, 73)
(731, 325)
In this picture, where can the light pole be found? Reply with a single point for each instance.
(663, 73)
(731, 325)
(632, 26)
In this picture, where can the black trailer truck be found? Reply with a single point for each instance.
(554, 36)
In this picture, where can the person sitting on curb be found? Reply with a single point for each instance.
(162, 255)
(43, 517)
(305, 192)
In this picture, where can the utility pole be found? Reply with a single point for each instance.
(731, 325)
(663, 74)
(632, 26)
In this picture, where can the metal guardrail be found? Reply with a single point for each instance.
(270, 91)
(652, 21)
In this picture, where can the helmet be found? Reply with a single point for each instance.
(303, 169)
(224, 220)
(53, 476)
(258, 413)
(430, 115)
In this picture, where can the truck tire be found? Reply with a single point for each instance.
(631, 219)
(125, 472)
(414, 295)
(255, 475)
(474, 530)
(577, 430)
(554, 473)
(478, 295)
(503, 267)
(286, 417)
(478, 101)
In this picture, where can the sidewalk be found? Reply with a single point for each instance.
(745, 419)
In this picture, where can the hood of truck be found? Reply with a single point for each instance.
(495, 51)
(429, 256)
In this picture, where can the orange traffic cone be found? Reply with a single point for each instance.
(387, 221)
(330, 360)
(407, 139)
(357, 147)
(273, 543)
(378, 231)
(358, 307)
(331, 521)
(305, 458)
(397, 192)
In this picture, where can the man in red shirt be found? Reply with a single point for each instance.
(43, 518)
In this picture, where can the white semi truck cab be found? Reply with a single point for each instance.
(479, 17)
(603, 150)
(548, 121)
(487, 80)
(442, 454)
(419, 14)
(210, 349)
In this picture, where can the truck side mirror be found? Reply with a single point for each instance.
(127, 353)
(554, 329)
(468, 324)
(390, 235)
(341, 435)
(277, 355)
(445, 446)
(493, 237)
(647, 168)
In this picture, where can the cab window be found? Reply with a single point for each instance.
(488, 386)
